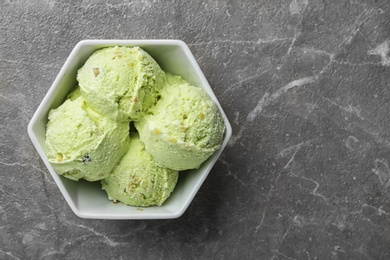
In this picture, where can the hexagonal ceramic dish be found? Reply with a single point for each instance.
(87, 199)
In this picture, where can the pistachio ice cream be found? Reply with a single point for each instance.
(121, 82)
(81, 143)
(184, 128)
(87, 137)
(138, 180)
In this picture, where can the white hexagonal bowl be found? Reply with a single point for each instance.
(87, 199)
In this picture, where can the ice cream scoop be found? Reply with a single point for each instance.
(184, 128)
(138, 180)
(81, 143)
(120, 82)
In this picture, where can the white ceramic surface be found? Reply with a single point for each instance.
(88, 200)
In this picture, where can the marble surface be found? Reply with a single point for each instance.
(305, 84)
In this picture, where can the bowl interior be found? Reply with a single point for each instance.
(87, 199)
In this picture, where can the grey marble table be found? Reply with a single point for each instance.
(306, 86)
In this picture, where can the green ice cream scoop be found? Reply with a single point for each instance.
(121, 82)
(138, 180)
(80, 143)
(184, 128)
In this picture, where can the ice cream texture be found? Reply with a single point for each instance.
(138, 180)
(81, 143)
(87, 137)
(121, 82)
(184, 128)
